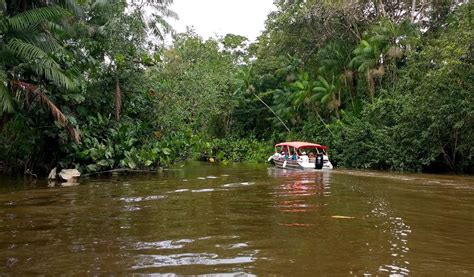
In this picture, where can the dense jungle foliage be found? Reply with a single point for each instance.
(91, 84)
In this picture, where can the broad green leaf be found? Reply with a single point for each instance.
(166, 151)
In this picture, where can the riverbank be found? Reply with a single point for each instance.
(94, 156)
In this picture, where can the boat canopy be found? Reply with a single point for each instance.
(301, 144)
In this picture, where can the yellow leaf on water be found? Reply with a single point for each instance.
(342, 216)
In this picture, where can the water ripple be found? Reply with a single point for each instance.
(140, 199)
(203, 190)
(166, 244)
(153, 261)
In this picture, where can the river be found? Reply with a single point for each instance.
(240, 219)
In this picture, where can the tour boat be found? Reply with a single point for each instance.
(300, 155)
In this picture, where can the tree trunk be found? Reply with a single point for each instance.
(371, 84)
(382, 8)
(413, 7)
(118, 99)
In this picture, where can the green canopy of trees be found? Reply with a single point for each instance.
(91, 84)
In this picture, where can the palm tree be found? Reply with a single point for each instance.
(334, 59)
(326, 94)
(367, 60)
(27, 45)
(385, 41)
(304, 95)
(303, 90)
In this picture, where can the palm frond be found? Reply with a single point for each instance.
(152, 2)
(317, 97)
(43, 40)
(159, 21)
(55, 111)
(298, 85)
(27, 34)
(166, 12)
(47, 43)
(54, 27)
(156, 30)
(323, 81)
(57, 114)
(26, 51)
(40, 62)
(72, 6)
(53, 73)
(319, 89)
(36, 16)
(74, 134)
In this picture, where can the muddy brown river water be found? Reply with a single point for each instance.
(240, 220)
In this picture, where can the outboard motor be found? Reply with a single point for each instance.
(319, 161)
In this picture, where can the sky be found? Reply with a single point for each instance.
(220, 17)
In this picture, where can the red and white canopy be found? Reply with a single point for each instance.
(301, 145)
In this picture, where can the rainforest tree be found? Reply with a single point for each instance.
(90, 84)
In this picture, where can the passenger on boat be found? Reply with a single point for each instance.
(304, 158)
(277, 155)
(294, 157)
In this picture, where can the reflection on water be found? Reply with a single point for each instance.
(240, 220)
(398, 232)
(297, 193)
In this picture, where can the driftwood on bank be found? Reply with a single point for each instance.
(120, 170)
(65, 175)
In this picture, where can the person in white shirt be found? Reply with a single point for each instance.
(304, 158)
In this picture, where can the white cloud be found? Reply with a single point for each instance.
(220, 17)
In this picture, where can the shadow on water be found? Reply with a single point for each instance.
(240, 219)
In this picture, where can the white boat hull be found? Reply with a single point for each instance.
(292, 164)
